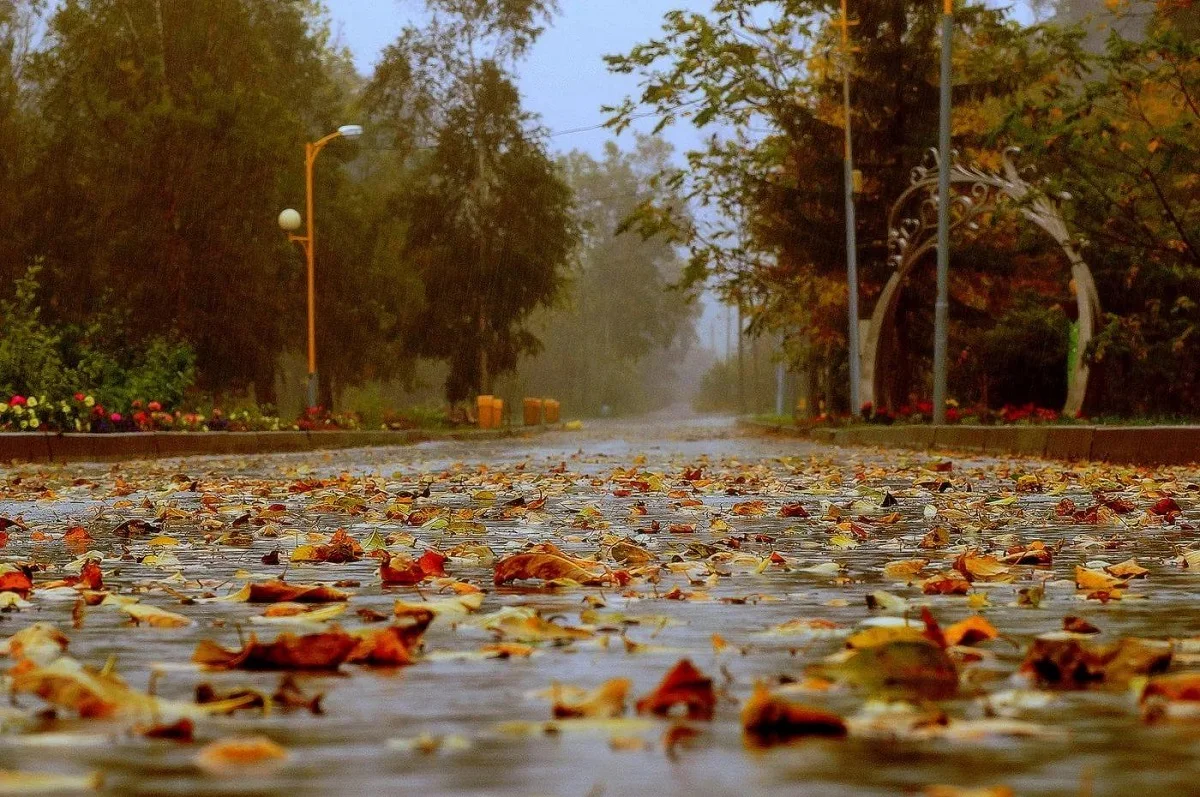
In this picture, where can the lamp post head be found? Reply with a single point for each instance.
(289, 220)
(350, 131)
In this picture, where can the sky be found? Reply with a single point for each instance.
(564, 79)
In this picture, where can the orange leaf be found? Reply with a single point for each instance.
(393, 646)
(683, 685)
(971, 631)
(250, 753)
(16, 581)
(400, 570)
(433, 563)
(323, 651)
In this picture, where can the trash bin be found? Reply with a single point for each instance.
(533, 411)
(551, 410)
(497, 413)
(483, 411)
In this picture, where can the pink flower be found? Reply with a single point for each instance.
(154, 406)
(17, 401)
(115, 417)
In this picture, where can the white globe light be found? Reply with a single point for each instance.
(289, 220)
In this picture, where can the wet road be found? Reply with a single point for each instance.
(457, 722)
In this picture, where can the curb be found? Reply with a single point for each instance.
(1128, 445)
(37, 447)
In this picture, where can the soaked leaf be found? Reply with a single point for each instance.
(683, 686)
(769, 720)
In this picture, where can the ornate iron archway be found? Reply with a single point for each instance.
(912, 233)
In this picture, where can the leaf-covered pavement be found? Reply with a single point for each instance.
(617, 611)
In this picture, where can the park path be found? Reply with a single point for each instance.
(719, 572)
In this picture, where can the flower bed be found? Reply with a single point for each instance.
(82, 413)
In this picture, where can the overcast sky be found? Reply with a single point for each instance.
(564, 79)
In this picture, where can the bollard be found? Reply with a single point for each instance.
(533, 411)
(551, 411)
(483, 411)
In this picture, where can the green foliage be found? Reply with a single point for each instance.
(1024, 356)
(1118, 133)
(488, 216)
(30, 357)
(56, 362)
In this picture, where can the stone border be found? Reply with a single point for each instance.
(45, 447)
(1135, 445)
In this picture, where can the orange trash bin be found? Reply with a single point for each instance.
(551, 410)
(483, 411)
(533, 412)
(497, 413)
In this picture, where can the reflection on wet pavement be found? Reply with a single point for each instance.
(746, 593)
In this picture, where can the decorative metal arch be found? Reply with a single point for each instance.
(974, 192)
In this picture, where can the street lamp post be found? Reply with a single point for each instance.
(851, 223)
(290, 222)
(941, 308)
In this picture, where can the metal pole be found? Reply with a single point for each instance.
(851, 232)
(779, 381)
(945, 157)
(310, 157)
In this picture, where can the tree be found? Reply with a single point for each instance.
(619, 336)
(489, 226)
(766, 75)
(171, 139)
(1119, 134)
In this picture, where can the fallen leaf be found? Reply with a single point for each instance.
(683, 685)
(769, 720)
(604, 702)
(242, 755)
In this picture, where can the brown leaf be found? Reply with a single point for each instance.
(949, 582)
(545, 566)
(793, 510)
(1127, 569)
(768, 720)
(323, 651)
(1062, 661)
(605, 702)
(1077, 625)
(282, 591)
(682, 685)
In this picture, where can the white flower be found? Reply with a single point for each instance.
(35, 423)
(31, 401)
(3, 407)
(89, 401)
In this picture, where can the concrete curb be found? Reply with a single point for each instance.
(45, 447)
(1131, 445)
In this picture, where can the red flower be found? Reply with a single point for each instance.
(80, 397)
(137, 404)
(154, 406)
(17, 401)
